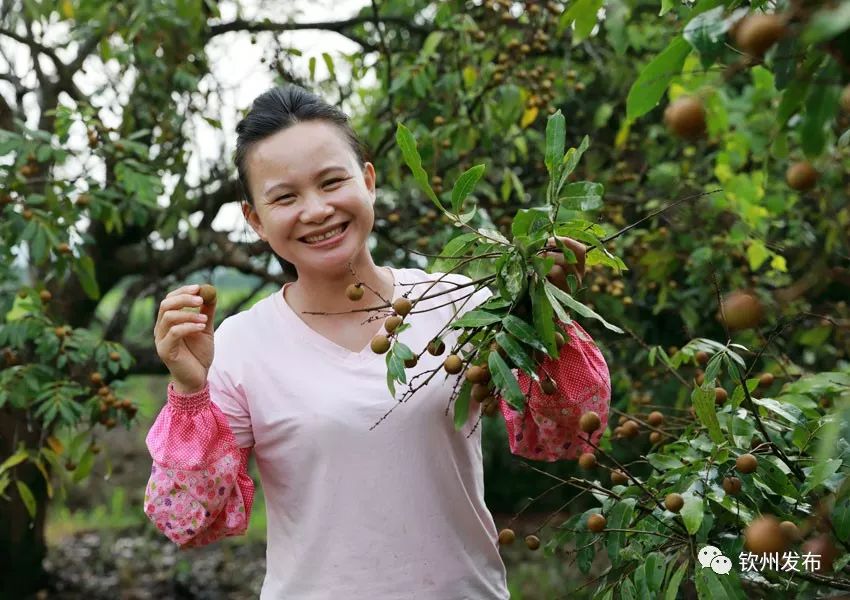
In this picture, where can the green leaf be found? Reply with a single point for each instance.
(431, 42)
(673, 587)
(704, 405)
(820, 472)
(584, 14)
(27, 497)
(555, 135)
(541, 310)
(619, 517)
(706, 33)
(821, 107)
(841, 519)
(655, 77)
(16, 459)
(407, 144)
(656, 565)
(692, 512)
(464, 186)
(582, 195)
(84, 468)
(84, 268)
(516, 353)
(462, 405)
(709, 586)
(523, 331)
(504, 379)
(329, 63)
(556, 294)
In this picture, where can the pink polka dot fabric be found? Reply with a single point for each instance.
(199, 490)
(548, 428)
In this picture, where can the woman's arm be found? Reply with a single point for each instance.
(548, 429)
(199, 490)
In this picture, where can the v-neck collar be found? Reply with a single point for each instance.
(316, 339)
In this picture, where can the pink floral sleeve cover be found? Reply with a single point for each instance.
(548, 428)
(199, 490)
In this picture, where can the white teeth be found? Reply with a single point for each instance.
(318, 238)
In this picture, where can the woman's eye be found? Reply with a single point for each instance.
(333, 181)
(286, 197)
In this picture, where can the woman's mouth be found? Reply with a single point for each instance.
(328, 238)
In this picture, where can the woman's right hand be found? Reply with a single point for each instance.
(184, 339)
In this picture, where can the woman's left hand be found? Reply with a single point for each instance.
(561, 268)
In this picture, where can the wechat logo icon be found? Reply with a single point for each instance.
(711, 556)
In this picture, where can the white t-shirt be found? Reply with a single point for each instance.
(394, 512)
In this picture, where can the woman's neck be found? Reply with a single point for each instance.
(316, 292)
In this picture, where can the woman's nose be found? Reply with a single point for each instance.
(315, 209)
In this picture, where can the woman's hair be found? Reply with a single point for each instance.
(282, 107)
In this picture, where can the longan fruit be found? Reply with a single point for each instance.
(685, 117)
(766, 380)
(746, 463)
(674, 502)
(380, 344)
(453, 364)
(532, 542)
(354, 292)
(630, 429)
(436, 347)
(506, 537)
(756, 33)
(801, 176)
(114, 356)
(720, 395)
(702, 357)
(589, 422)
(732, 485)
(392, 323)
(411, 362)
(45, 296)
(619, 478)
(743, 310)
(792, 532)
(765, 536)
(587, 461)
(596, 523)
(207, 293)
(477, 374)
(402, 306)
(548, 386)
(655, 418)
(96, 378)
(655, 438)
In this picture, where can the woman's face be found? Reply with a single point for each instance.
(305, 182)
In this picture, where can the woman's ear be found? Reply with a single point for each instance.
(253, 219)
(369, 179)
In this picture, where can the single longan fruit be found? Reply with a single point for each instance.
(596, 523)
(479, 392)
(453, 364)
(548, 386)
(631, 429)
(655, 438)
(757, 33)
(655, 418)
(207, 293)
(559, 340)
(392, 323)
(674, 502)
(720, 395)
(59, 332)
(792, 532)
(490, 407)
(766, 380)
(746, 463)
(354, 292)
(96, 378)
(45, 296)
(477, 374)
(532, 542)
(380, 344)
(590, 422)
(587, 461)
(801, 176)
(823, 547)
(436, 347)
(402, 306)
(732, 485)
(114, 356)
(702, 357)
(685, 117)
(742, 310)
(765, 536)
(411, 362)
(506, 537)
(619, 478)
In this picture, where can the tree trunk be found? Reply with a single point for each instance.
(22, 542)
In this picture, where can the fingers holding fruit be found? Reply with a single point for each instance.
(183, 338)
(562, 267)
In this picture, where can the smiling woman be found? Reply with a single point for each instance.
(353, 511)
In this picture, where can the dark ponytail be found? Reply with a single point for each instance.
(282, 107)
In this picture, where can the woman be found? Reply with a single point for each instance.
(354, 510)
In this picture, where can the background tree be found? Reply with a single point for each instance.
(101, 106)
